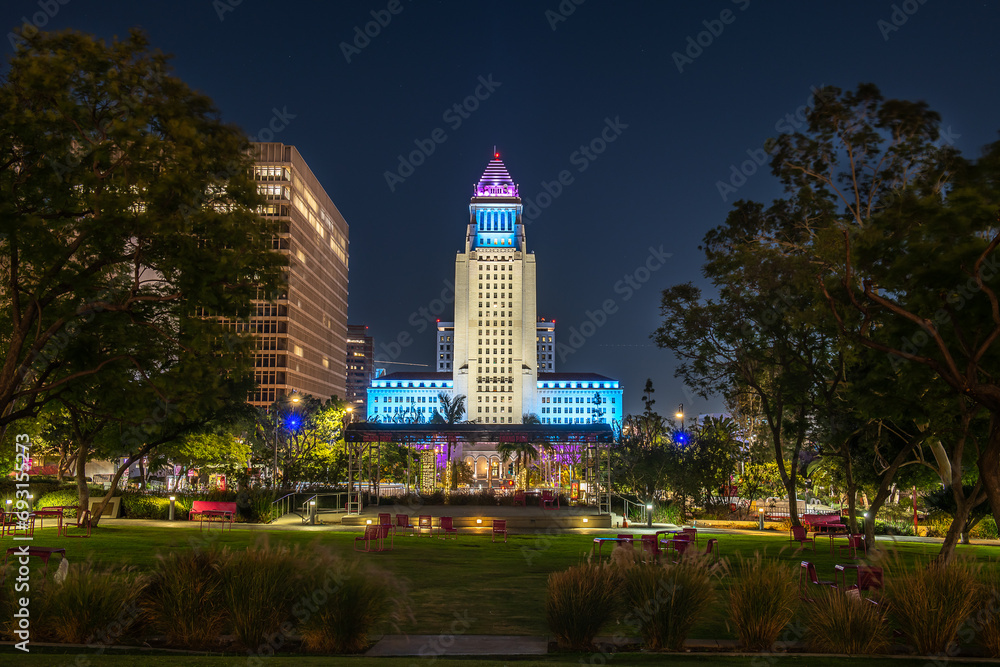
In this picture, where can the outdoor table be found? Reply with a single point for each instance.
(56, 512)
(227, 515)
(599, 541)
(672, 543)
(833, 535)
(40, 552)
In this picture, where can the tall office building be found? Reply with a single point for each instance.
(360, 367)
(497, 352)
(302, 333)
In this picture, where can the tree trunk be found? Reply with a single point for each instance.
(82, 490)
(954, 531)
(99, 507)
(852, 510)
(989, 466)
(142, 476)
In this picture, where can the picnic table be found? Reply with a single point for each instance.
(52, 512)
(834, 535)
(44, 553)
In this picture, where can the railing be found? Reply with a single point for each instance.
(640, 510)
(290, 504)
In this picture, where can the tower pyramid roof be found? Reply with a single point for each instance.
(495, 181)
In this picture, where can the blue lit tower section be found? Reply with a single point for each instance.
(496, 360)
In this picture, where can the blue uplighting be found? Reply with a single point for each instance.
(682, 438)
(293, 422)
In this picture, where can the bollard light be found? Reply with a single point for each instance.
(586, 520)
(312, 512)
(760, 522)
(172, 499)
(649, 515)
(479, 521)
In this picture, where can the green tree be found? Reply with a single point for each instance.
(903, 235)
(127, 211)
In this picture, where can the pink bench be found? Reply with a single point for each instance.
(823, 523)
(213, 510)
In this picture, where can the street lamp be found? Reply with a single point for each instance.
(680, 415)
(277, 417)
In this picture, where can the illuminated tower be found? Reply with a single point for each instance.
(495, 353)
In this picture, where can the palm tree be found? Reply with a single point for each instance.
(452, 410)
(544, 445)
(522, 453)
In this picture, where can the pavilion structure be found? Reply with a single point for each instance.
(571, 456)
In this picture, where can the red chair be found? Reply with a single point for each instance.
(384, 531)
(854, 543)
(650, 546)
(446, 526)
(548, 498)
(519, 498)
(712, 548)
(82, 521)
(679, 547)
(385, 519)
(499, 526)
(799, 534)
(370, 539)
(403, 523)
(630, 540)
(424, 522)
(693, 532)
(808, 571)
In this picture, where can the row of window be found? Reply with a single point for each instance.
(480, 409)
(574, 399)
(581, 411)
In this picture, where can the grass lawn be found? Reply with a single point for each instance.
(499, 588)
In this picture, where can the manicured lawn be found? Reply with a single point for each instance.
(498, 588)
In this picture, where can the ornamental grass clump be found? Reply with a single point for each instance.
(664, 602)
(579, 602)
(89, 606)
(986, 619)
(185, 600)
(259, 588)
(761, 601)
(843, 622)
(932, 603)
(344, 604)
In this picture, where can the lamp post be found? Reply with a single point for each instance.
(277, 418)
(172, 499)
(680, 415)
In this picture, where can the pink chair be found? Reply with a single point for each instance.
(500, 526)
(424, 522)
(807, 575)
(649, 545)
(855, 542)
(799, 534)
(403, 523)
(626, 536)
(712, 548)
(370, 540)
(446, 526)
(548, 499)
(693, 532)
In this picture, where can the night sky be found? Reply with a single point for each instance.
(549, 85)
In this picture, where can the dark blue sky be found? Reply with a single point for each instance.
(553, 91)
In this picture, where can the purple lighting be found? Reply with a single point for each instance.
(495, 182)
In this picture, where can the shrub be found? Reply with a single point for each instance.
(842, 622)
(931, 603)
(259, 586)
(350, 601)
(150, 506)
(761, 601)
(985, 529)
(65, 496)
(185, 599)
(89, 606)
(666, 601)
(579, 602)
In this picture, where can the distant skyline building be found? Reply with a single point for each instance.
(497, 352)
(360, 367)
(301, 333)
